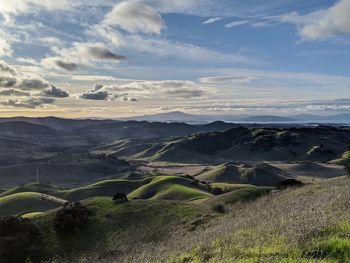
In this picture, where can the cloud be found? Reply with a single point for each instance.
(5, 48)
(27, 103)
(165, 88)
(5, 68)
(69, 59)
(236, 23)
(69, 66)
(212, 20)
(99, 52)
(135, 17)
(14, 7)
(10, 77)
(95, 94)
(55, 92)
(227, 79)
(322, 24)
(14, 92)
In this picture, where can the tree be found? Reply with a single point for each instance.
(347, 171)
(289, 183)
(20, 240)
(73, 217)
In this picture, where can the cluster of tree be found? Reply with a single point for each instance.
(20, 240)
(73, 217)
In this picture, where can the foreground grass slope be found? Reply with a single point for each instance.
(309, 224)
(118, 230)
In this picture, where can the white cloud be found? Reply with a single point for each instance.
(227, 79)
(212, 20)
(322, 24)
(5, 48)
(237, 23)
(80, 53)
(135, 17)
(165, 88)
(8, 8)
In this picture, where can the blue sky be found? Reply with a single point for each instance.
(111, 58)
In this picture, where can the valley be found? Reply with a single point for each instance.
(177, 179)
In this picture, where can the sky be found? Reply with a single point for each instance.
(111, 58)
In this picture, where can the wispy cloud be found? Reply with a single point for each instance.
(212, 20)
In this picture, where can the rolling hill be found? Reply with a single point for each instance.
(27, 202)
(255, 174)
(320, 144)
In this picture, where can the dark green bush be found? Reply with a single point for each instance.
(20, 240)
(73, 217)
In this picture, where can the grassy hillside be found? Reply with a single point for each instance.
(116, 230)
(27, 202)
(241, 194)
(321, 144)
(309, 224)
(256, 174)
(171, 187)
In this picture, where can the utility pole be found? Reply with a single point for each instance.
(37, 176)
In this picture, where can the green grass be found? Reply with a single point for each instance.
(117, 229)
(229, 187)
(170, 187)
(104, 188)
(309, 224)
(32, 215)
(245, 193)
(23, 203)
(180, 192)
(344, 160)
(32, 187)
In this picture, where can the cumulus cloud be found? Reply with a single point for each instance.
(14, 92)
(149, 89)
(322, 24)
(9, 77)
(27, 103)
(69, 66)
(80, 53)
(5, 68)
(14, 7)
(55, 92)
(25, 91)
(5, 48)
(95, 93)
(135, 17)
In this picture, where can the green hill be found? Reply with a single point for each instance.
(27, 202)
(244, 193)
(171, 187)
(115, 231)
(320, 144)
(255, 174)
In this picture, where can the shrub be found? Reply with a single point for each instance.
(217, 191)
(219, 209)
(120, 198)
(289, 183)
(19, 240)
(73, 217)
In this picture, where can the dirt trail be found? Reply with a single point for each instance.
(54, 199)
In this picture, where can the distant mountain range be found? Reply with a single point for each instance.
(178, 116)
